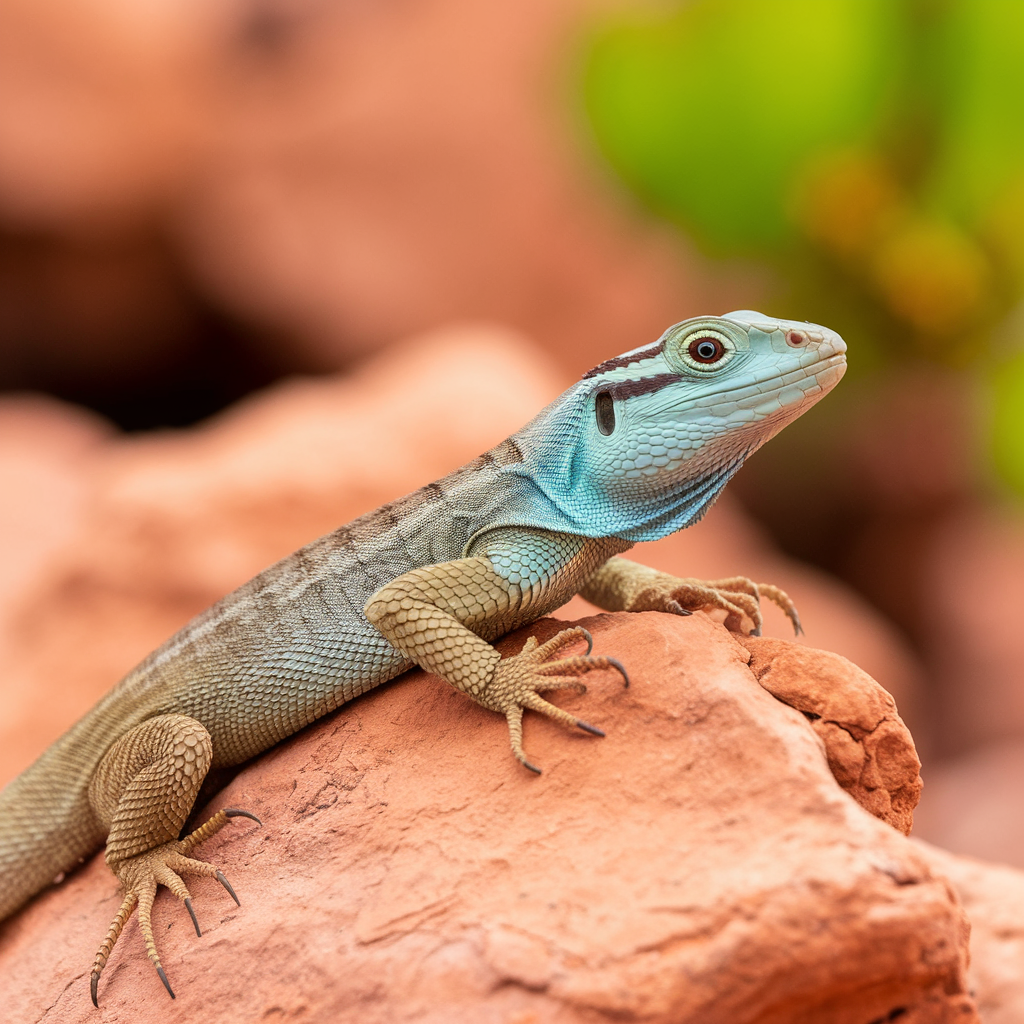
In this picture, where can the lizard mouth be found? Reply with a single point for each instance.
(831, 371)
(832, 368)
(819, 379)
(736, 435)
(825, 373)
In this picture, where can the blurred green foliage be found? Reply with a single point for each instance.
(1007, 430)
(871, 151)
(709, 112)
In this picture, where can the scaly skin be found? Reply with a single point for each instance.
(639, 448)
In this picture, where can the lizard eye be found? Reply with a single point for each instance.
(604, 410)
(706, 350)
(701, 347)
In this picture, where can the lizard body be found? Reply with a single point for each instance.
(637, 449)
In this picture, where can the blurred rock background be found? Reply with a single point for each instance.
(449, 209)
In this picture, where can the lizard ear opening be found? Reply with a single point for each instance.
(604, 409)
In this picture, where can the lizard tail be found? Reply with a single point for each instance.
(47, 826)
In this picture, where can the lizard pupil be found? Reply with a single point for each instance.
(707, 350)
(604, 408)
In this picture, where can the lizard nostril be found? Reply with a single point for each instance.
(796, 338)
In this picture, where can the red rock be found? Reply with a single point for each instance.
(973, 605)
(993, 897)
(727, 542)
(346, 174)
(870, 751)
(700, 864)
(46, 452)
(98, 111)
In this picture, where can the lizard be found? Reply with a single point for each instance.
(639, 447)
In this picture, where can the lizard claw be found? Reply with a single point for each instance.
(737, 596)
(621, 669)
(588, 637)
(234, 812)
(167, 984)
(676, 608)
(192, 914)
(780, 598)
(520, 679)
(140, 875)
(227, 885)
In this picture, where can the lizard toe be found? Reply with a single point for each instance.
(520, 679)
(140, 877)
(559, 642)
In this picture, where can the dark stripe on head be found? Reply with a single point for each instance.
(619, 361)
(644, 386)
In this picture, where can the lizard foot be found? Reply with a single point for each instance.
(163, 865)
(520, 679)
(737, 595)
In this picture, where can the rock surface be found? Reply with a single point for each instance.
(700, 864)
(993, 897)
(973, 603)
(869, 750)
(973, 802)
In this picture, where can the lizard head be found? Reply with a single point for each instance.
(645, 442)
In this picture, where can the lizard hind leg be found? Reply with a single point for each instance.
(143, 791)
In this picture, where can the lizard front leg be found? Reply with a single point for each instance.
(624, 585)
(441, 617)
(143, 791)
